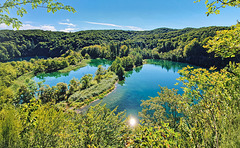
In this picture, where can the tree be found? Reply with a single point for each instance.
(26, 92)
(61, 91)
(226, 43)
(47, 94)
(102, 127)
(10, 127)
(120, 72)
(50, 5)
(192, 49)
(215, 5)
(101, 70)
(124, 50)
(127, 63)
(100, 73)
(113, 50)
(117, 68)
(85, 80)
(138, 60)
(162, 108)
(210, 106)
(74, 86)
(45, 126)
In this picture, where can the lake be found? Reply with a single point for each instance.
(53, 78)
(140, 84)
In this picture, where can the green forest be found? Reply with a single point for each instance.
(37, 115)
(182, 45)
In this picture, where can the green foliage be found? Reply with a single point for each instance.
(162, 109)
(87, 56)
(210, 106)
(138, 60)
(226, 43)
(95, 90)
(36, 125)
(215, 5)
(47, 94)
(127, 63)
(10, 127)
(17, 75)
(85, 81)
(99, 74)
(160, 43)
(50, 5)
(154, 136)
(48, 127)
(74, 86)
(26, 93)
(192, 49)
(205, 115)
(102, 127)
(117, 68)
(101, 70)
(61, 91)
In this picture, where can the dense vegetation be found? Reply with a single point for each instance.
(205, 115)
(184, 45)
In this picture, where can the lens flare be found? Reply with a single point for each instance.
(132, 122)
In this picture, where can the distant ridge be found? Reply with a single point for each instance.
(28, 43)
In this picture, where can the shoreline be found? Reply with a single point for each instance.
(21, 79)
(79, 110)
(115, 87)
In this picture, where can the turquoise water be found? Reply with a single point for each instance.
(52, 79)
(140, 84)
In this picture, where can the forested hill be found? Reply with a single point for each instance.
(165, 43)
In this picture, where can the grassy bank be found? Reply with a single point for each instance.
(94, 92)
(83, 63)
(22, 79)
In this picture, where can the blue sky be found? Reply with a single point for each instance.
(126, 15)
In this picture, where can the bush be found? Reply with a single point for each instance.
(94, 90)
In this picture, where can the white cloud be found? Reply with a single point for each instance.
(118, 26)
(104, 24)
(68, 30)
(134, 28)
(28, 26)
(4, 26)
(42, 27)
(48, 27)
(68, 24)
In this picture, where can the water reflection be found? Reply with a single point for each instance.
(53, 74)
(53, 78)
(141, 84)
(103, 62)
(138, 69)
(93, 63)
(133, 121)
(138, 85)
(168, 65)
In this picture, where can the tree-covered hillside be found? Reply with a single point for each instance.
(206, 114)
(164, 43)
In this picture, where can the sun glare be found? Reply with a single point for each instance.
(132, 122)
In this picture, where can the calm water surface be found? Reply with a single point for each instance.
(140, 84)
(52, 79)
